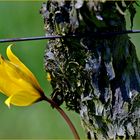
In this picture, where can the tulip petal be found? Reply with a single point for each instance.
(7, 101)
(16, 61)
(15, 73)
(6, 84)
(49, 77)
(22, 98)
(13, 79)
(17, 82)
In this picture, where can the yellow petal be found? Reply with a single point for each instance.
(10, 87)
(13, 79)
(6, 85)
(15, 73)
(16, 61)
(49, 77)
(22, 98)
(7, 102)
(17, 82)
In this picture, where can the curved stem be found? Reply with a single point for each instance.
(64, 115)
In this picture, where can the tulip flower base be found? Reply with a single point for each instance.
(97, 77)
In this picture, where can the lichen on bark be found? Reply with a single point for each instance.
(97, 77)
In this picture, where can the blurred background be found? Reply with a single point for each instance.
(39, 121)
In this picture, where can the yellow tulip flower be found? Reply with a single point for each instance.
(22, 88)
(18, 82)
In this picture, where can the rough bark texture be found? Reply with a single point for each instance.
(97, 77)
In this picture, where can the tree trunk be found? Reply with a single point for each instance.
(96, 76)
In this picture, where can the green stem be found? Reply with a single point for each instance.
(64, 115)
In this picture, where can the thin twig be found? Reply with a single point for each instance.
(64, 115)
(95, 34)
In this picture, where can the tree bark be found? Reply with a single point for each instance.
(96, 76)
